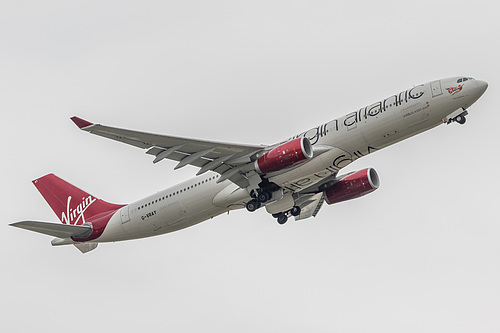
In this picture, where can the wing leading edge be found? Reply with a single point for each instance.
(223, 158)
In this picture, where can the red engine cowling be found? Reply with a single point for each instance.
(352, 186)
(285, 155)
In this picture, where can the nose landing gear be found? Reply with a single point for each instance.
(457, 116)
(460, 119)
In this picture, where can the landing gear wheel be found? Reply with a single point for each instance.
(295, 211)
(282, 219)
(264, 196)
(460, 119)
(252, 205)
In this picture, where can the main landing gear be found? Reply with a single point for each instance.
(260, 197)
(263, 196)
(282, 218)
(253, 205)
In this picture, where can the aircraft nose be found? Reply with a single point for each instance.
(481, 87)
(476, 90)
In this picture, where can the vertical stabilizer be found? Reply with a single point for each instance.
(69, 203)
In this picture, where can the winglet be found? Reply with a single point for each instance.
(81, 123)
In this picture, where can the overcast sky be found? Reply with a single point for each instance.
(421, 254)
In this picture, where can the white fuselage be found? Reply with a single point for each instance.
(346, 139)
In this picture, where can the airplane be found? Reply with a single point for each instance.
(291, 178)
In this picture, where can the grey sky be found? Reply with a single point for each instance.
(421, 254)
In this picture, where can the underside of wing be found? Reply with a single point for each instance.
(310, 205)
(311, 199)
(223, 158)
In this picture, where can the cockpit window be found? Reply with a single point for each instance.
(463, 79)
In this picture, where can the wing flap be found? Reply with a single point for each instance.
(55, 229)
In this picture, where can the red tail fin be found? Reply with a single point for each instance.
(71, 205)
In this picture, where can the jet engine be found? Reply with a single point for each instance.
(285, 155)
(352, 186)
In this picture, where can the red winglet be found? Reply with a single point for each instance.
(80, 122)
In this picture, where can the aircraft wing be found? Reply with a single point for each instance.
(309, 205)
(311, 199)
(223, 158)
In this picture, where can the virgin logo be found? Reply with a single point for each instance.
(454, 90)
(73, 215)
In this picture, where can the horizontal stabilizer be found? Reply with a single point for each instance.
(55, 229)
